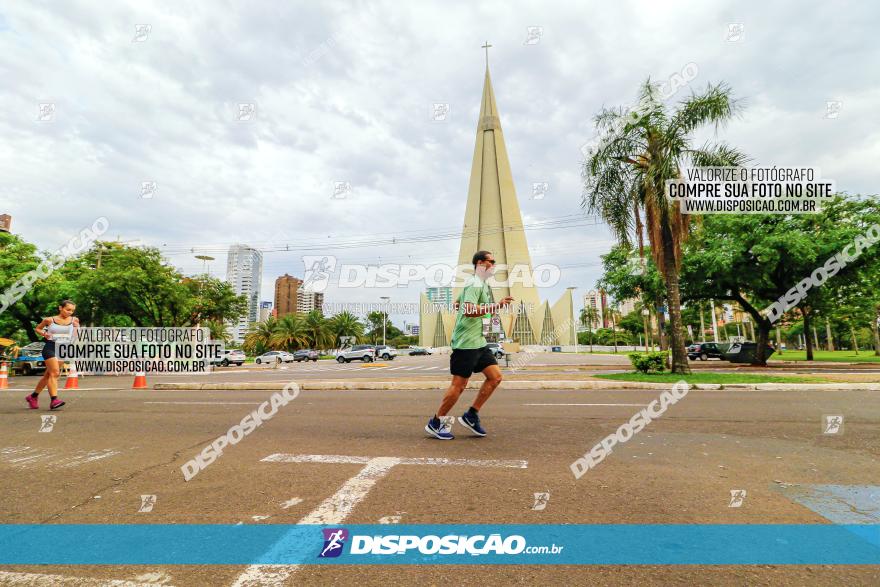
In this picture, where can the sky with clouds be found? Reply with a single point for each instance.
(344, 92)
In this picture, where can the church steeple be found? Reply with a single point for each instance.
(493, 220)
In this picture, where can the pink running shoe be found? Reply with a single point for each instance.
(56, 403)
(32, 401)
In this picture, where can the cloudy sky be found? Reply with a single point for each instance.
(344, 92)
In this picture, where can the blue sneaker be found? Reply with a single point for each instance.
(472, 421)
(440, 429)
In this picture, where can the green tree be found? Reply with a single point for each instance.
(627, 174)
(319, 330)
(754, 260)
(258, 338)
(588, 317)
(41, 292)
(290, 333)
(345, 324)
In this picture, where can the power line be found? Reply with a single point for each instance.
(311, 245)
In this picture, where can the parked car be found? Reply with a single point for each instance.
(305, 355)
(359, 352)
(274, 357)
(704, 351)
(496, 349)
(419, 351)
(229, 357)
(30, 359)
(385, 352)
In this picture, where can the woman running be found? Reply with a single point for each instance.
(58, 327)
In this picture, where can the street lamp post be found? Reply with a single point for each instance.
(384, 317)
(571, 288)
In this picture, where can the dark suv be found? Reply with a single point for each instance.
(704, 351)
(305, 355)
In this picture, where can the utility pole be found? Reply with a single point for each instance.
(384, 317)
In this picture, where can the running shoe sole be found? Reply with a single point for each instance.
(464, 423)
(435, 435)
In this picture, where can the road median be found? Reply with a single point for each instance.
(332, 385)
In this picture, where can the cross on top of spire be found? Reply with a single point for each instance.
(486, 47)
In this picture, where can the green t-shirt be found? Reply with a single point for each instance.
(468, 332)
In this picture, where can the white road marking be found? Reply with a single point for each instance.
(356, 460)
(336, 508)
(291, 502)
(639, 405)
(41, 580)
(209, 403)
(23, 456)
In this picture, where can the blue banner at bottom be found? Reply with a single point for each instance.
(403, 544)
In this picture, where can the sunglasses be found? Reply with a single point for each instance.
(492, 261)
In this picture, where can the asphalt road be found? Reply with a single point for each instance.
(108, 447)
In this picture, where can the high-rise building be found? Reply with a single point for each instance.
(599, 302)
(244, 271)
(307, 300)
(627, 306)
(440, 295)
(493, 222)
(5, 223)
(287, 289)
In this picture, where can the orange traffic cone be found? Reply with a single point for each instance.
(4, 377)
(72, 381)
(140, 380)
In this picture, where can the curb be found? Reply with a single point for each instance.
(329, 385)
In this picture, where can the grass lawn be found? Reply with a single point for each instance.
(835, 356)
(708, 378)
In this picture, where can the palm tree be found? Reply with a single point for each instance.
(218, 331)
(626, 177)
(318, 329)
(613, 315)
(589, 315)
(345, 324)
(258, 338)
(290, 333)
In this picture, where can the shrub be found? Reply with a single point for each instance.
(652, 362)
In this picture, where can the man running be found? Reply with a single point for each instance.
(470, 352)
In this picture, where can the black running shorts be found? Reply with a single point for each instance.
(49, 350)
(466, 362)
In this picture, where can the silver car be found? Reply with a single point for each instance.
(274, 357)
(359, 352)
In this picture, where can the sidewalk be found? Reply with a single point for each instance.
(513, 384)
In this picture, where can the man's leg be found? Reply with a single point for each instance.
(453, 393)
(493, 380)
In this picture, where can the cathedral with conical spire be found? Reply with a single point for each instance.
(493, 222)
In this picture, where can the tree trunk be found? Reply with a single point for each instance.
(829, 335)
(702, 336)
(855, 342)
(876, 330)
(807, 342)
(670, 273)
(661, 329)
(778, 341)
(816, 338)
(763, 341)
(614, 331)
(764, 325)
(645, 324)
